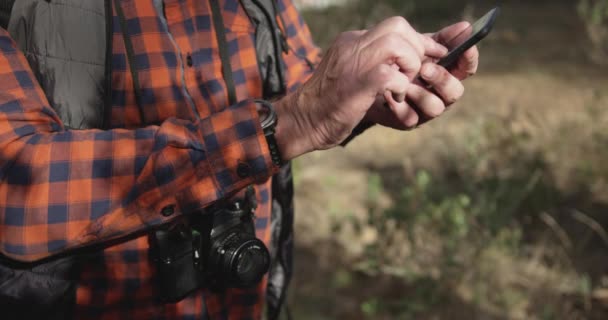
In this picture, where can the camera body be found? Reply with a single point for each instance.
(216, 249)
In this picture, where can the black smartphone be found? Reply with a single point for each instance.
(468, 38)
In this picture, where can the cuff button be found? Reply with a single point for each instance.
(168, 211)
(243, 170)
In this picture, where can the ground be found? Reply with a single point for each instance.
(494, 211)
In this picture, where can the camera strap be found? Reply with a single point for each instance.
(6, 6)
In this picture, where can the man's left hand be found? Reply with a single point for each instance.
(422, 103)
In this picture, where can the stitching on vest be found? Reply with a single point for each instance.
(69, 5)
(64, 59)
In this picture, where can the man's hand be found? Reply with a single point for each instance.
(423, 104)
(359, 67)
(469, 61)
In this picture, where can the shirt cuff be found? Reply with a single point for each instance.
(237, 153)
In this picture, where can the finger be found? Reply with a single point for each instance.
(358, 33)
(394, 87)
(386, 78)
(467, 64)
(432, 48)
(444, 84)
(398, 96)
(392, 48)
(447, 34)
(398, 25)
(426, 102)
(403, 116)
(382, 114)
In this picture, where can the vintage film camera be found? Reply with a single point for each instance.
(216, 249)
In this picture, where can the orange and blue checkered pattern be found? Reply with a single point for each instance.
(64, 189)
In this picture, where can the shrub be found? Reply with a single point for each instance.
(595, 16)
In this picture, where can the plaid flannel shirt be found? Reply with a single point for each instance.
(63, 189)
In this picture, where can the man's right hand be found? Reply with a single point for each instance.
(358, 67)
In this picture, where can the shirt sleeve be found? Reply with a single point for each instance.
(303, 55)
(65, 189)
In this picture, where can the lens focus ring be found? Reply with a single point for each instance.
(244, 262)
(249, 263)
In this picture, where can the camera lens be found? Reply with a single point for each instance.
(245, 263)
(242, 262)
(249, 263)
(237, 259)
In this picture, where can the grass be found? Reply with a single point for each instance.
(494, 211)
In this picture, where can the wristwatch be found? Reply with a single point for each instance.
(268, 120)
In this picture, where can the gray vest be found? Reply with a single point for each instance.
(66, 43)
(68, 46)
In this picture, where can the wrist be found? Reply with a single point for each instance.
(293, 139)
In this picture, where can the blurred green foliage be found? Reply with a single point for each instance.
(595, 15)
(594, 11)
(475, 221)
(467, 214)
(485, 231)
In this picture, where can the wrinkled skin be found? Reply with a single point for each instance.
(371, 75)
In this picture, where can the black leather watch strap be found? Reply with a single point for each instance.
(268, 120)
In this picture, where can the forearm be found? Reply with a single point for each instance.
(90, 186)
(61, 190)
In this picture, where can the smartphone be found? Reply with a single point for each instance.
(459, 44)
(468, 38)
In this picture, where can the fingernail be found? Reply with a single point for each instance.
(429, 71)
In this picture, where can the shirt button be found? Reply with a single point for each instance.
(168, 210)
(243, 170)
(189, 60)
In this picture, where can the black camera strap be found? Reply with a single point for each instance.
(218, 24)
(6, 6)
